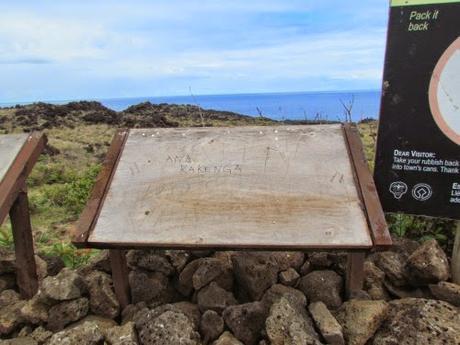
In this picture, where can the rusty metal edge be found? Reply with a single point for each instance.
(367, 190)
(88, 218)
(15, 178)
(191, 246)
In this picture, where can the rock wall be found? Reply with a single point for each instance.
(225, 298)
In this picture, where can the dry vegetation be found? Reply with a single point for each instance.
(79, 135)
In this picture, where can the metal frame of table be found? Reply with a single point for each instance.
(14, 201)
(363, 182)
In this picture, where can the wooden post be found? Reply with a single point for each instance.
(120, 276)
(456, 257)
(355, 273)
(26, 273)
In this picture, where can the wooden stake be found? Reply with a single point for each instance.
(355, 273)
(26, 274)
(456, 257)
(120, 277)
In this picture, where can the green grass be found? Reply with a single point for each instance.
(65, 191)
(6, 237)
(368, 132)
(59, 186)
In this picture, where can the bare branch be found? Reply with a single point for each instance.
(200, 111)
(260, 112)
(348, 108)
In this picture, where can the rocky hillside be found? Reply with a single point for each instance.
(235, 298)
(41, 116)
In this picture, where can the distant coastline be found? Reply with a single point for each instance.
(321, 105)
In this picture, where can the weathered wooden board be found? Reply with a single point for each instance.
(247, 187)
(10, 145)
(18, 154)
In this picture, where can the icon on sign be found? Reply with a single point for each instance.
(398, 189)
(422, 192)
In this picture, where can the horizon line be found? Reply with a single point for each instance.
(99, 99)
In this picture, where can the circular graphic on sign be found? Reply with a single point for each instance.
(422, 192)
(444, 93)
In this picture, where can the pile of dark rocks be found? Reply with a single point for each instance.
(234, 298)
(41, 116)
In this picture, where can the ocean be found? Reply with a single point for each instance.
(278, 106)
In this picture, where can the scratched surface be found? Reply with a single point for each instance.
(289, 186)
(10, 145)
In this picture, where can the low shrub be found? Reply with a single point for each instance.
(70, 195)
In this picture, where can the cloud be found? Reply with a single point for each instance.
(25, 60)
(28, 37)
(112, 48)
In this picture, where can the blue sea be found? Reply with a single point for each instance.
(278, 106)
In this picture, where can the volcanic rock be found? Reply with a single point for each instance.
(296, 297)
(448, 292)
(102, 300)
(420, 321)
(86, 334)
(374, 279)
(41, 335)
(122, 335)
(64, 313)
(150, 260)
(178, 258)
(7, 282)
(66, 285)
(360, 319)
(10, 317)
(324, 286)
(289, 277)
(246, 321)
(288, 324)
(34, 311)
(54, 264)
(227, 338)
(20, 340)
(255, 273)
(212, 269)
(7, 261)
(326, 323)
(149, 287)
(167, 328)
(393, 265)
(8, 297)
(428, 264)
(287, 260)
(211, 326)
(213, 297)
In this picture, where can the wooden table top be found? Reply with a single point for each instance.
(10, 145)
(247, 187)
(18, 155)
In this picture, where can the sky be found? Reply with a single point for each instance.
(86, 49)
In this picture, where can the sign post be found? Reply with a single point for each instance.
(417, 168)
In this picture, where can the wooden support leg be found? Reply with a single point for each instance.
(120, 276)
(456, 257)
(355, 273)
(26, 273)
